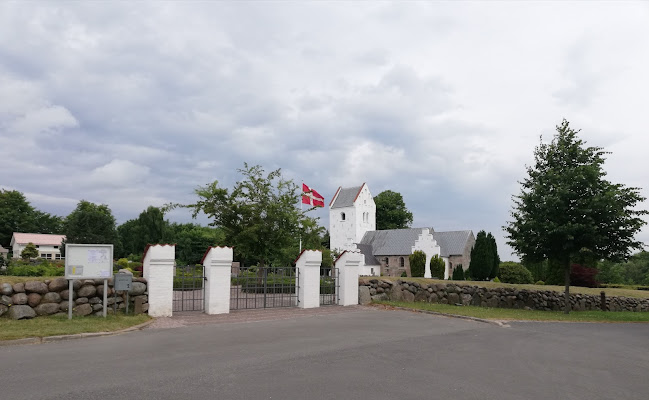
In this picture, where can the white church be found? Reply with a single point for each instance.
(352, 226)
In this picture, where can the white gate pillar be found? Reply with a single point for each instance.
(308, 266)
(218, 271)
(348, 265)
(158, 267)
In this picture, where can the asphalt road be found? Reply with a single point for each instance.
(368, 354)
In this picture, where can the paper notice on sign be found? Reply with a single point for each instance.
(75, 270)
(96, 256)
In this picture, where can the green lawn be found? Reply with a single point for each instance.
(19, 279)
(60, 325)
(573, 289)
(533, 315)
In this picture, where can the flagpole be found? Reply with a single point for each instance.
(301, 212)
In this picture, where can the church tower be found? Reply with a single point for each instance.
(352, 212)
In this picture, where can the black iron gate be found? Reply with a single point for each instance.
(329, 287)
(268, 287)
(189, 288)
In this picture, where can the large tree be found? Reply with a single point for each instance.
(391, 211)
(259, 216)
(91, 223)
(17, 215)
(566, 207)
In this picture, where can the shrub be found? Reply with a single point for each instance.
(540, 283)
(437, 267)
(30, 251)
(583, 276)
(404, 274)
(513, 272)
(122, 263)
(496, 280)
(458, 273)
(45, 268)
(417, 264)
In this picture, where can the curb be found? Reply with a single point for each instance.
(61, 338)
(501, 324)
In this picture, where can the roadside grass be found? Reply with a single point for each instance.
(573, 289)
(22, 279)
(523, 315)
(60, 325)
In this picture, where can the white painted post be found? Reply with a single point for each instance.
(308, 266)
(348, 266)
(218, 271)
(159, 274)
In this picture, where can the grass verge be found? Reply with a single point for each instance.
(22, 279)
(60, 325)
(523, 315)
(641, 294)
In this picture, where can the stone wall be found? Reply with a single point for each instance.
(36, 298)
(503, 297)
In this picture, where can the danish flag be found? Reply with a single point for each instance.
(311, 197)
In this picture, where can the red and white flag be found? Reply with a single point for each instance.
(311, 197)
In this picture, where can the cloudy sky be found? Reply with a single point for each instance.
(137, 103)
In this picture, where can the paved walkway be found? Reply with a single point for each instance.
(181, 319)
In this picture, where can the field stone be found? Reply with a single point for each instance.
(7, 301)
(364, 295)
(65, 295)
(82, 310)
(7, 289)
(94, 300)
(97, 307)
(87, 291)
(34, 299)
(21, 312)
(51, 297)
(88, 282)
(453, 298)
(137, 288)
(100, 290)
(82, 300)
(19, 287)
(58, 284)
(47, 309)
(408, 296)
(3, 309)
(36, 287)
(76, 285)
(18, 299)
(64, 305)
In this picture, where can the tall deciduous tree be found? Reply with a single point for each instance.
(17, 215)
(566, 206)
(391, 211)
(259, 217)
(91, 223)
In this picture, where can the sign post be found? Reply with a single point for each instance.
(87, 261)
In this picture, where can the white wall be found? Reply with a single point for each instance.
(342, 234)
(364, 204)
(42, 249)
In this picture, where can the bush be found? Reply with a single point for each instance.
(583, 276)
(540, 283)
(496, 280)
(437, 267)
(44, 268)
(458, 273)
(513, 272)
(417, 264)
(122, 263)
(404, 274)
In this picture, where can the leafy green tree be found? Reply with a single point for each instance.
(30, 251)
(437, 267)
(91, 223)
(192, 240)
(149, 228)
(566, 206)
(417, 264)
(482, 257)
(494, 256)
(391, 211)
(259, 217)
(17, 215)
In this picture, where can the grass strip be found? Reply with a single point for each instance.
(60, 325)
(524, 315)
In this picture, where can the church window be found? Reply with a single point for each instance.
(402, 263)
(387, 262)
(342, 216)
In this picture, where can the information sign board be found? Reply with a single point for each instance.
(122, 282)
(88, 261)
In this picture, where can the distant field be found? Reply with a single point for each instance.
(573, 289)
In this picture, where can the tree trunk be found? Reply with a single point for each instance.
(566, 309)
